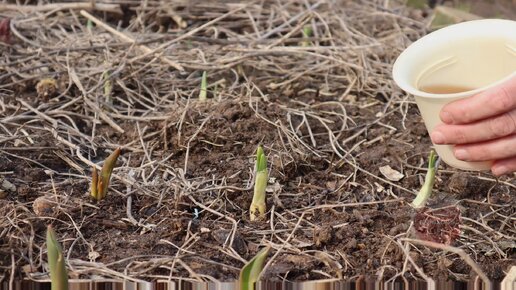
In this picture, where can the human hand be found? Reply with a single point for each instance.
(483, 127)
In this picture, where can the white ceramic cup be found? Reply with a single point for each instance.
(477, 55)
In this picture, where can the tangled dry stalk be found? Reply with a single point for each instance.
(328, 115)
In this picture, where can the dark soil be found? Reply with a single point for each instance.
(186, 166)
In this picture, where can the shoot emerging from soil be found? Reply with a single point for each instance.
(204, 83)
(258, 205)
(100, 182)
(252, 271)
(307, 33)
(56, 262)
(89, 25)
(426, 190)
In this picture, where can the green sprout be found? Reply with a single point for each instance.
(89, 25)
(426, 190)
(100, 182)
(56, 262)
(258, 205)
(203, 94)
(252, 271)
(307, 33)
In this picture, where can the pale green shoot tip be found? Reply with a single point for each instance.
(261, 160)
(204, 83)
(258, 205)
(426, 189)
(100, 182)
(307, 33)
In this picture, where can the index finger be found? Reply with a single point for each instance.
(490, 103)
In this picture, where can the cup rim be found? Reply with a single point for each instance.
(411, 89)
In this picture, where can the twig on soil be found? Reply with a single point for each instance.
(290, 21)
(232, 220)
(294, 30)
(55, 7)
(513, 185)
(130, 217)
(81, 267)
(457, 251)
(488, 228)
(127, 38)
(188, 34)
(405, 248)
(351, 204)
(285, 243)
(187, 154)
(500, 253)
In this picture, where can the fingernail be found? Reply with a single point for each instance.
(446, 117)
(500, 170)
(438, 137)
(461, 154)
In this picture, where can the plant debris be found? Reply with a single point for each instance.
(324, 107)
(391, 174)
(441, 225)
(46, 88)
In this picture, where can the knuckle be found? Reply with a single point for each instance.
(457, 114)
(507, 150)
(483, 153)
(461, 137)
(511, 164)
(505, 99)
(503, 125)
(464, 114)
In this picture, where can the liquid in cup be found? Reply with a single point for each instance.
(444, 89)
(454, 63)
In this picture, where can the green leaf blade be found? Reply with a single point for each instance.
(60, 278)
(94, 183)
(252, 271)
(56, 262)
(53, 249)
(105, 173)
